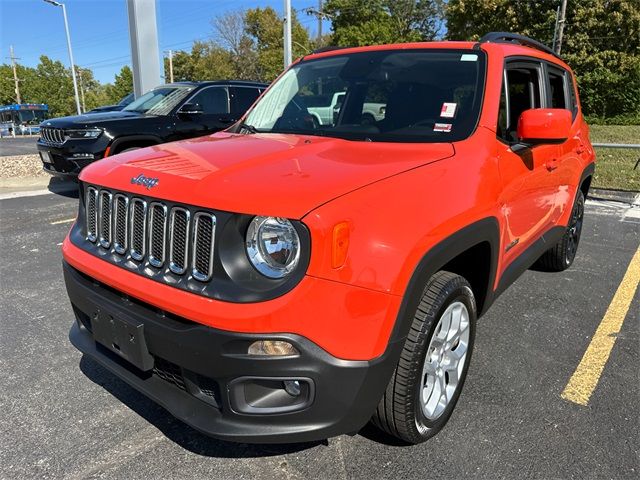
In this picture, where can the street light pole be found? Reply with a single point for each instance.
(73, 69)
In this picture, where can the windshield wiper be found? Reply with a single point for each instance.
(247, 127)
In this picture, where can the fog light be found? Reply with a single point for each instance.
(276, 348)
(292, 387)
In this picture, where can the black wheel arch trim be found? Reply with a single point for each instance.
(485, 230)
(133, 138)
(588, 171)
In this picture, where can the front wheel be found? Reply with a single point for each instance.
(427, 382)
(561, 255)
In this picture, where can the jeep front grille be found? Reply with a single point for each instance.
(54, 136)
(151, 232)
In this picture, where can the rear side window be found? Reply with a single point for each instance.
(242, 98)
(557, 89)
(213, 100)
(521, 90)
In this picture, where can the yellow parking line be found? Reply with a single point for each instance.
(58, 222)
(585, 379)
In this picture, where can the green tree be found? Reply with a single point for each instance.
(601, 43)
(264, 27)
(369, 22)
(121, 87)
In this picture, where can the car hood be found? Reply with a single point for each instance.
(90, 119)
(261, 174)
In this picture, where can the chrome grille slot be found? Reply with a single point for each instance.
(157, 233)
(137, 229)
(204, 229)
(179, 239)
(120, 223)
(52, 135)
(92, 214)
(104, 226)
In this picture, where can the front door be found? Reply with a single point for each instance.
(528, 197)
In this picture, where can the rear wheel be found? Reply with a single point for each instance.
(427, 382)
(561, 255)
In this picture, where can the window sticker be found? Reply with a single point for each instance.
(469, 57)
(442, 127)
(448, 110)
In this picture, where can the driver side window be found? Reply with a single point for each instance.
(521, 90)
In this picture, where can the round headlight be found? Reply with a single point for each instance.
(273, 246)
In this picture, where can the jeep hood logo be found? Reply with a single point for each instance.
(148, 182)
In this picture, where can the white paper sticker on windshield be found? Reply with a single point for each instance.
(448, 110)
(469, 57)
(442, 127)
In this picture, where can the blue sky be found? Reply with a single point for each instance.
(99, 29)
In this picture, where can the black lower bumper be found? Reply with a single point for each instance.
(67, 161)
(204, 376)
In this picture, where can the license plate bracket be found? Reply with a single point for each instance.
(124, 338)
(46, 157)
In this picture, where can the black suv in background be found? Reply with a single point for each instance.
(170, 112)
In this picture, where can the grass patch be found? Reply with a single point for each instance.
(614, 166)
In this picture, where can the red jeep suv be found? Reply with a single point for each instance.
(291, 280)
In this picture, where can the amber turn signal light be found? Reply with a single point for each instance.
(340, 244)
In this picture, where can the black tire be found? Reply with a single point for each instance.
(561, 255)
(400, 412)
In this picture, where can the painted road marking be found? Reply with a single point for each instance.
(59, 222)
(585, 379)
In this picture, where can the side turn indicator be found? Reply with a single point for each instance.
(340, 244)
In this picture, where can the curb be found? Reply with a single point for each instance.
(630, 198)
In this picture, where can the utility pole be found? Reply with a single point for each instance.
(555, 30)
(287, 33)
(562, 21)
(15, 74)
(170, 66)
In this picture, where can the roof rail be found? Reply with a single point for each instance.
(508, 37)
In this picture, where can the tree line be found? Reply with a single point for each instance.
(601, 43)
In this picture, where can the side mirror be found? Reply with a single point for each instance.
(544, 125)
(190, 109)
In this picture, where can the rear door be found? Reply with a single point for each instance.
(215, 116)
(241, 99)
(560, 94)
(528, 196)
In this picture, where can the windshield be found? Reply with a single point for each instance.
(159, 101)
(31, 117)
(424, 95)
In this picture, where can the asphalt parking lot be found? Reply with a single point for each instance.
(18, 146)
(64, 416)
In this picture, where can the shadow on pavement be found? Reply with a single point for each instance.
(174, 429)
(63, 187)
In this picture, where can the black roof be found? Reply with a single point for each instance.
(239, 83)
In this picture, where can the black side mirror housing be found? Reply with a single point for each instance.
(190, 109)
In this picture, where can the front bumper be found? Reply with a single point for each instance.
(204, 377)
(64, 164)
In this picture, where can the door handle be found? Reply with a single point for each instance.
(552, 164)
(581, 149)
